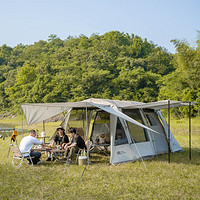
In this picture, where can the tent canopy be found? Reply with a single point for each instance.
(38, 112)
(163, 104)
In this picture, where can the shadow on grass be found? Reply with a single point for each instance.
(180, 157)
(177, 157)
(95, 159)
(101, 159)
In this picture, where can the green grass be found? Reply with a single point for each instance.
(153, 179)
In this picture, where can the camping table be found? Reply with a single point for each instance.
(41, 149)
(55, 153)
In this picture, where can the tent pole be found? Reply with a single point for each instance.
(22, 121)
(190, 152)
(87, 139)
(169, 131)
(86, 116)
(83, 117)
(43, 124)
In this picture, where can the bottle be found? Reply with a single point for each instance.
(84, 154)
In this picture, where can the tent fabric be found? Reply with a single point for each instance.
(118, 103)
(112, 109)
(174, 145)
(36, 113)
(161, 104)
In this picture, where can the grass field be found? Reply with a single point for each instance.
(151, 179)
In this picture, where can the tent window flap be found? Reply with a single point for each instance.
(120, 137)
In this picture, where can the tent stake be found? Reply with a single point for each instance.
(190, 152)
(168, 131)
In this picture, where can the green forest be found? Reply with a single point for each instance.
(114, 65)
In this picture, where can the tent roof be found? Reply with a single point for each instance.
(82, 104)
(37, 112)
(162, 104)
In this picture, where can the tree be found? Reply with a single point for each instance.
(184, 83)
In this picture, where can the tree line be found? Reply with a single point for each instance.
(114, 65)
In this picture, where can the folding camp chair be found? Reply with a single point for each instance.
(18, 155)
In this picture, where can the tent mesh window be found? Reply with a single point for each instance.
(138, 133)
(120, 137)
(101, 128)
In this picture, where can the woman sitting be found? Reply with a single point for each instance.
(60, 139)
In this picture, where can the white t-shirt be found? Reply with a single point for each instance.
(27, 143)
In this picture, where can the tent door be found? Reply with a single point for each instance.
(159, 140)
(100, 127)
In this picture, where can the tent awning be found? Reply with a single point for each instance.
(36, 113)
(162, 104)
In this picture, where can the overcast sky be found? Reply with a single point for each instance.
(28, 21)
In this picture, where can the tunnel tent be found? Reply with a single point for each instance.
(134, 132)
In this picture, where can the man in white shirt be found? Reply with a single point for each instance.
(26, 145)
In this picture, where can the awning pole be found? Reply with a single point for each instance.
(86, 116)
(168, 131)
(22, 121)
(83, 117)
(43, 122)
(190, 152)
(87, 134)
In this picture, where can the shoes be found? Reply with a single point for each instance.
(40, 162)
(48, 159)
(63, 159)
(29, 161)
(54, 158)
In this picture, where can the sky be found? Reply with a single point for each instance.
(28, 21)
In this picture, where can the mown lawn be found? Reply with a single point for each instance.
(152, 179)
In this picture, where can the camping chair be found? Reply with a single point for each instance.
(88, 145)
(18, 155)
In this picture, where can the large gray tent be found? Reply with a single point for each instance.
(132, 129)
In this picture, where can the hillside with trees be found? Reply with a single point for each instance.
(114, 66)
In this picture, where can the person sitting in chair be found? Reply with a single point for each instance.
(60, 139)
(73, 146)
(26, 145)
